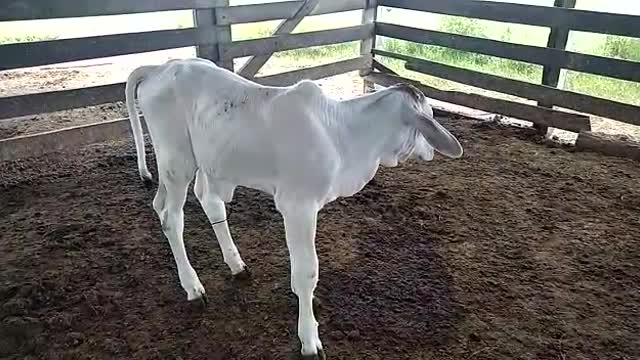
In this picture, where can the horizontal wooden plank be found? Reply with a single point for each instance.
(541, 93)
(38, 53)
(22, 105)
(68, 138)
(316, 72)
(38, 9)
(607, 144)
(281, 10)
(377, 65)
(599, 65)
(59, 140)
(537, 115)
(255, 63)
(580, 20)
(273, 44)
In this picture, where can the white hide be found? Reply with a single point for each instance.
(295, 143)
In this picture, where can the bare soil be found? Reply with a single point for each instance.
(517, 251)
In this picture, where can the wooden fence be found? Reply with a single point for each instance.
(212, 37)
(561, 19)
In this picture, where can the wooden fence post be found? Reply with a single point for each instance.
(558, 38)
(255, 63)
(369, 16)
(215, 53)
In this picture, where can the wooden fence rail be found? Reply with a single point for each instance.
(282, 10)
(39, 53)
(599, 65)
(211, 35)
(40, 144)
(541, 93)
(578, 20)
(12, 10)
(562, 18)
(535, 114)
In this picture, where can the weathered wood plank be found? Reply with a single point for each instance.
(541, 93)
(222, 33)
(59, 140)
(377, 65)
(64, 139)
(224, 38)
(255, 63)
(579, 20)
(46, 102)
(599, 65)
(23, 105)
(535, 114)
(38, 53)
(205, 18)
(316, 72)
(38, 9)
(558, 38)
(296, 41)
(281, 10)
(369, 16)
(606, 144)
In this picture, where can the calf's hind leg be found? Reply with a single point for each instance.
(207, 192)
(168, 204)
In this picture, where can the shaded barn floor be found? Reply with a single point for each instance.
(517, 251)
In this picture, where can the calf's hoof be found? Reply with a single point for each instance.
(147, 180)
(243, 276)
(200, 303)
(319, 356)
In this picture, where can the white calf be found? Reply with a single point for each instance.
(295, 143)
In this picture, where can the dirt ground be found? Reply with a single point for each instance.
(516, 251)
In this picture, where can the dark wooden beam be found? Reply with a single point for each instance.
(22, 105)
(558, 38)
(541, 93)
(534, 114)
(297, 41)
(22, 55)
(599, 65)
(579, 20)
(12, 10)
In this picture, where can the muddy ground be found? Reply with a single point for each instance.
(516, 251)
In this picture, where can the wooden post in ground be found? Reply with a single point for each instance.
(255, 63)
(558, 38)
(215, 53)
(369, 16)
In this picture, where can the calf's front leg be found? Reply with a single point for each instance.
(300, 228)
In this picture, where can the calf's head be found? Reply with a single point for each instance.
(419, 133)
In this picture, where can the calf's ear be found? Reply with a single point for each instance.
(438, 137)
